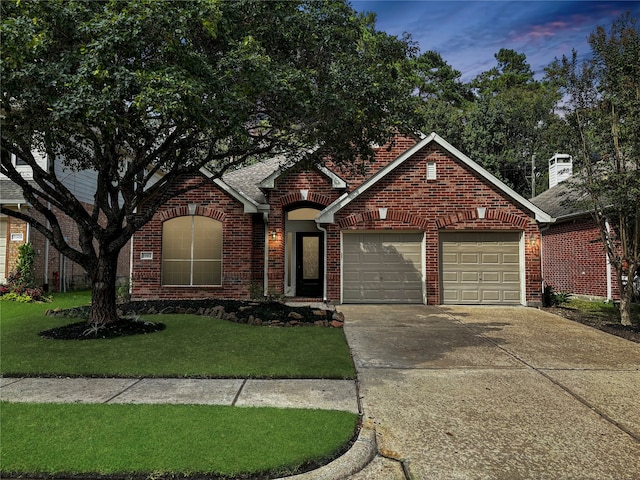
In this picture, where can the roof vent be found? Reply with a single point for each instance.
(560, 168)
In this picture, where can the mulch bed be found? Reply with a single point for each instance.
(631, 333)
(274, 314)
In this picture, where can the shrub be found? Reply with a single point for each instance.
(21, 282)
(551, 298)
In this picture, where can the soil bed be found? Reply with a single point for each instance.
(274, 314)
(628, 332)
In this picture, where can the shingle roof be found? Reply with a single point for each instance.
(562, 200)
(247, 179)
(10, 193)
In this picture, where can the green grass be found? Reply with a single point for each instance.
(153, 440)
(607, 311)
(190, 346)
(157, 440)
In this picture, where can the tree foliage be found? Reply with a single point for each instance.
(145, 92)
(603, 108)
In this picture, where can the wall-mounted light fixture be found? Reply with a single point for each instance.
(482, 211)
(273, 235)
(192, 208)
(533, 240)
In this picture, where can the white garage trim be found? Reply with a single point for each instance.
(382, 266)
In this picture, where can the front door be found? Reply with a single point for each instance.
(309, 265)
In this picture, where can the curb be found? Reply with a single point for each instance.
(354, 460)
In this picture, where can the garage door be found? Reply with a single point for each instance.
(480, 268)
(382, 268)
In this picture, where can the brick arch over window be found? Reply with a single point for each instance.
(490, 214)
(200, 210)
(395, 215)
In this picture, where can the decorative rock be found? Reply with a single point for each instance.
(320, 313)
(337, 324)
(167, 310)
(339, 316)
(295, 316)
(318, 323)
(292, 323)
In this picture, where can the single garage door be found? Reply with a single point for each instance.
(480, 268)
(382, 267)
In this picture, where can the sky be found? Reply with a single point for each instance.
(468, 34)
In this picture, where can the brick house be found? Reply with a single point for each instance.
(573, 256)
(53, 271)
(425, 224)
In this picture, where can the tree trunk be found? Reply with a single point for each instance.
(103, 292)
(625, 303)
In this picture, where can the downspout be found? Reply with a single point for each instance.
(130, 282)
(46, 255)
(542, 230)
(324, 254)
(265, 281)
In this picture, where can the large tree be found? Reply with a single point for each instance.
(144, 92)
(444, 98)
(603, 107)
(509, 119)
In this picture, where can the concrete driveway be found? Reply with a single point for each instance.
(494, 393)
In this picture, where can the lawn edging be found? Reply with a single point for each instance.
(268, 314)
(361, 453)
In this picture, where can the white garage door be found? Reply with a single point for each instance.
(480, 268)
(382, 268)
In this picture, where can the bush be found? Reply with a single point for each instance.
(551, 298)
(21, 282)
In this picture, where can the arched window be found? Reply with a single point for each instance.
(192, 251)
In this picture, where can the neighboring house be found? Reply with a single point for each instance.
(425, 225)
(53, 271)
(573, 256)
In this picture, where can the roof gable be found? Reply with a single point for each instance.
(327, 215)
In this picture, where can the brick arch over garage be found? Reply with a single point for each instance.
(200, 210)
(489, 214)
(391, 215)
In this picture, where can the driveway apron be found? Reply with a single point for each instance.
(494, 393)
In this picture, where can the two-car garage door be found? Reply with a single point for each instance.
(388, 267)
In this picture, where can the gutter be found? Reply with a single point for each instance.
(265, 273)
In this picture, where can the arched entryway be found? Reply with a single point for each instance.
(304, 253)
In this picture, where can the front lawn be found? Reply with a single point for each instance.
(149, 441)
(168, 441)
(190, 346)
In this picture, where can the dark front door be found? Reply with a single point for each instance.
(309, 264)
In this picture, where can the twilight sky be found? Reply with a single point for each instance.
(468, 33)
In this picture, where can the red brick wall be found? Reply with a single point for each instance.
(239, 255)
(447, 203)
(70, 275)
(574, 260)
(286, 196)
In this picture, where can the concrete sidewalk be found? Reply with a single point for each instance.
(319, 394)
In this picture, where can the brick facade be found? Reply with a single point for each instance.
(62, 273)
(575, 260)
(241, 266)
(413, 203)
